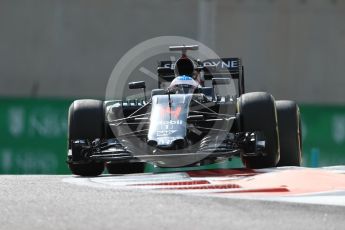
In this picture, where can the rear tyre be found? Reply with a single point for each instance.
(126, 168)
(85, 122)
(289, 123)
(258, 113)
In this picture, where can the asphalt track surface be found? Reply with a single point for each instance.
(47, 202)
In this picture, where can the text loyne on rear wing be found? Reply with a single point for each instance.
(211, 67)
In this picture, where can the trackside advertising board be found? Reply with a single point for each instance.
(33, 136)
(323, 135)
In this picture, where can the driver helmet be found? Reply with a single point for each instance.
(183, 84)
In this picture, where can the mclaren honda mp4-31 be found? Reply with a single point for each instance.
(199, 114)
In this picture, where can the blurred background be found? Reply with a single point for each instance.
(52, 52)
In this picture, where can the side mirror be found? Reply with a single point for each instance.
(137, 85)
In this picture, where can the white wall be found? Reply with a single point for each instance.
(293, 49)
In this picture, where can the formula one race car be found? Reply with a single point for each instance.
(188, 121)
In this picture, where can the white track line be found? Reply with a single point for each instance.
(174, 181)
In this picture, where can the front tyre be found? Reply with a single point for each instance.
(258, 114)
(126, 167)
(85, 122)
(86, 169)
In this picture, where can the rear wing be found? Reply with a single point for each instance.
(223, 68)
(231, 67)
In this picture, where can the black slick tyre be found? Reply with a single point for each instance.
(126, 167)
(85, 122)
(86, 169)
(258, 113)
(289, 123)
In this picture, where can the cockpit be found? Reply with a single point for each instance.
(183, 85)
